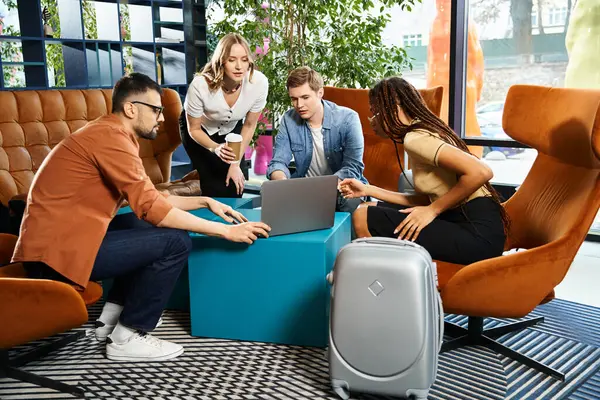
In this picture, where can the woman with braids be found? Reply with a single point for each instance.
(455, 214)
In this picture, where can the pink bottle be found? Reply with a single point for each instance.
(264, 154)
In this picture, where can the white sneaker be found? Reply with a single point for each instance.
(143, 347)
(103, 330)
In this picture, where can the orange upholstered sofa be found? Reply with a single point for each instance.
(33, 122)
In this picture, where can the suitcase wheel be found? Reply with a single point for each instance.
(341, 388)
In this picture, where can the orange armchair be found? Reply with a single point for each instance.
(381, 164)
(33, 309)
(551, 214)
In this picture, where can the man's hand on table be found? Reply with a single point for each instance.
(224, 211)
(247, 232)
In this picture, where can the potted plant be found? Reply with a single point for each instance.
(341, 39)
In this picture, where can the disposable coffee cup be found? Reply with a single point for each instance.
(234, 141)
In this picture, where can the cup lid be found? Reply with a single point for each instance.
(233, 137)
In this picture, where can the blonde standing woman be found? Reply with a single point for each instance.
(227, 96)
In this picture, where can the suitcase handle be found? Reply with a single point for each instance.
(442, 321)
(388, 241)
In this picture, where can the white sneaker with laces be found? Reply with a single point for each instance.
(142, 346)
(103, 330)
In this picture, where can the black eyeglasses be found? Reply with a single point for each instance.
(158, 110)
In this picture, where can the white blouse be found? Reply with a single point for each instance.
(219, 117)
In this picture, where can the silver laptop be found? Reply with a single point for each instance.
(299, 204)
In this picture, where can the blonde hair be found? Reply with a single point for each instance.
(214, 70)
(302, 75)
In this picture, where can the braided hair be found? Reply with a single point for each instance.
(388, 94)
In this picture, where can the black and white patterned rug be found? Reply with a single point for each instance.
(214, 369)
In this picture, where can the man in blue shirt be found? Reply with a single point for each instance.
(324, 138)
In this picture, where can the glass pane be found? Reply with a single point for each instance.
(144, 62)
(124, 21)
(522, 44)
(540, 42)
(140, 23)
(14, 76)
(50, 18)
(56, 65)
(90, 19)
(510, 165)
(116, 63)
(139, 60)
(424, 33)
(166, 35)
(92, 65)
(170, 14)
(128, 59)
(105, 67)
(74, 58)
(69, 13)
(9, 18)
(108, 14)
(11, 51)
(173, 67)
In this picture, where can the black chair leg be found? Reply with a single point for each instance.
(475, 335)
(38, 380)
(455, 344)
(523, 359)
(453, 329)
(9, 367)
(42, 351)
(515, 326)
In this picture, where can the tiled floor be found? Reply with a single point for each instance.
(581, 283)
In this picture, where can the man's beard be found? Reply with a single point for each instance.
(144, 134)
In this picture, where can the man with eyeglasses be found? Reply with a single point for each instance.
(70, 232)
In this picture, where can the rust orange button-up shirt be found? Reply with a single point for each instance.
(77, 191)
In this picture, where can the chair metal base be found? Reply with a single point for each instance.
(10, 367)
(474, 334)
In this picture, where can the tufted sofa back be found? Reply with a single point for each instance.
(33, 122)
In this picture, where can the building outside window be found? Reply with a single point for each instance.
(413, 40)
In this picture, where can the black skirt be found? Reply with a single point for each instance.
(462, 235)
(211, 169)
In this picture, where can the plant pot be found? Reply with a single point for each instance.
(264, 153)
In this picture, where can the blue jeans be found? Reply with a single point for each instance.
(145, 262)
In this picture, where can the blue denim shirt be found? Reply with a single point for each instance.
(343, 143)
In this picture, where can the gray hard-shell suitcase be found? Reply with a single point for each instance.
(386, 319)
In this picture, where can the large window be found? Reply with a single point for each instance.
(510, 45)
(511, 42)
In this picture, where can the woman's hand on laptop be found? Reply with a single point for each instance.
(247, 232)
(352, 188)
(226, 212)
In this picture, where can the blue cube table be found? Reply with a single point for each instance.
(274, 290)
(205, 213)
(180, 298)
